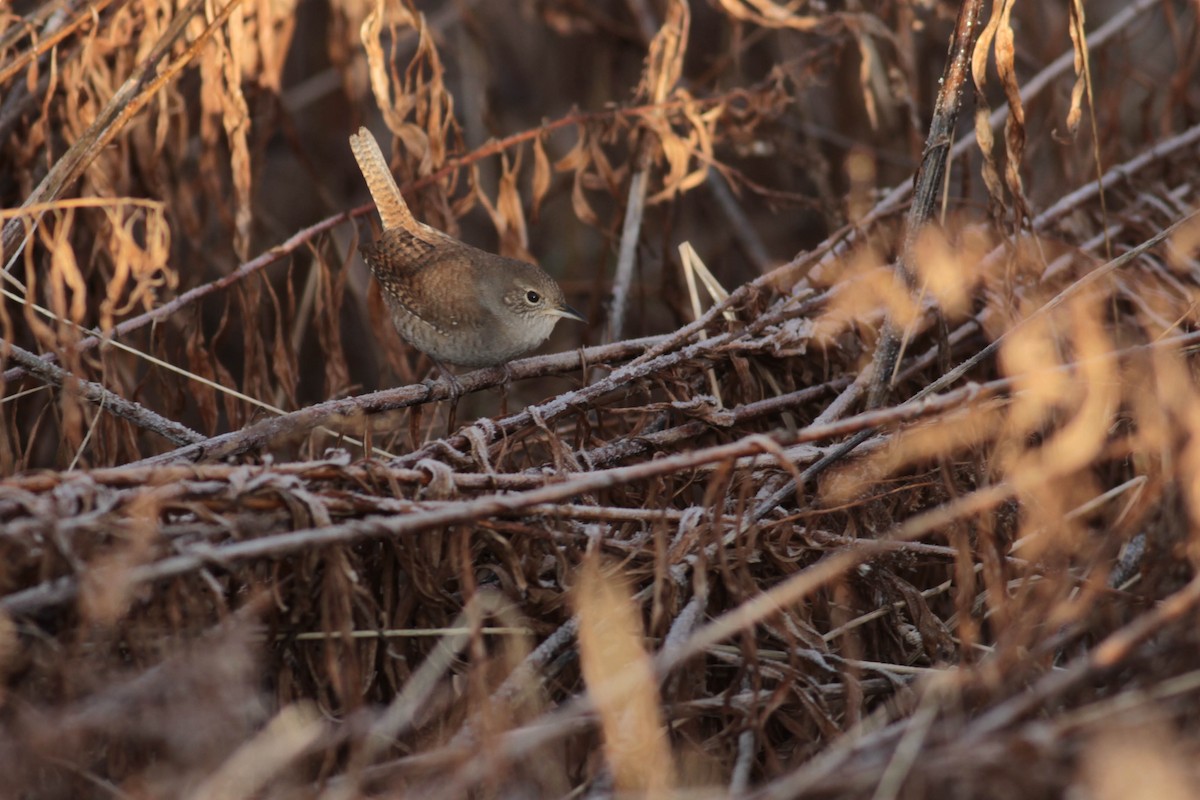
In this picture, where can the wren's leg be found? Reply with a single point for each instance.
(504, 389)
(456, 392)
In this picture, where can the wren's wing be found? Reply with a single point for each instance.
(397, 255)
(433, 282)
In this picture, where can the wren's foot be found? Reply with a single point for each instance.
(504, 384)
(500, 373)
(455, 387)
(456, 392)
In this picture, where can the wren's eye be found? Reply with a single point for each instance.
(533, 297)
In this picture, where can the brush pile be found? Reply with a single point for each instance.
(913, 513)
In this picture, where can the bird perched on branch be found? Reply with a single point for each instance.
(455, 303)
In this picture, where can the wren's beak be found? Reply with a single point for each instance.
(566, 312)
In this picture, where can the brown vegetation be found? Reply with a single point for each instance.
(906, 515)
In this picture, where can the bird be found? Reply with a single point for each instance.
(455, 303)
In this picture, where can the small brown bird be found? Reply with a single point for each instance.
(455, 303)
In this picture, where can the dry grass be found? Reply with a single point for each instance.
(910, 514)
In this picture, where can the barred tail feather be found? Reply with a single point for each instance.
(384, 191)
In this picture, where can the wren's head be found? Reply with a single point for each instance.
(525, 300)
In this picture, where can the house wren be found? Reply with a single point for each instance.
(455, 303)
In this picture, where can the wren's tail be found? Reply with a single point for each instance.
(384, 191)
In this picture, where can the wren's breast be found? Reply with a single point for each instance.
(485, 344)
